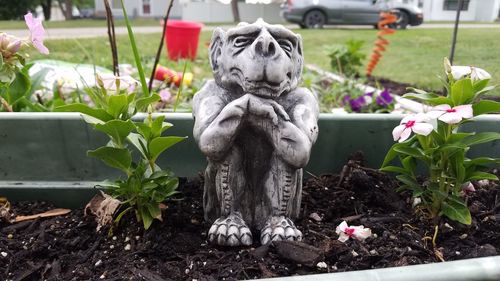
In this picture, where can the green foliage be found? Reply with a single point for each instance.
(146, 185)
(347, 58)
(443, 152)
(15, 9)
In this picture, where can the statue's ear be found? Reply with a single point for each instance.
(215, 49)
(299, 57)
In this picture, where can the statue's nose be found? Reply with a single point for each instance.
(265, 46)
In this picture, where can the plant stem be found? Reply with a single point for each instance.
(6, 105)
(112, 37)
(136, 52)
(160, 47)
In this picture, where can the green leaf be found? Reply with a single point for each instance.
(480, 85)
(119, 158)
(481, 161)
(486, 106)
(142, 104)
(19, 88)
(411, 151)
(146, 218)
(137, 58)
(462, 92)
(118, 130)
(480, 138)
(118, 105)
(154, 210)
(139, 142)
(394, 169)
(488, 91)
(160, 144)
(429, 98)
(156, 126)
(391, 154)
(477, 175)
(454, 208)
(410, 182)
(97, 113)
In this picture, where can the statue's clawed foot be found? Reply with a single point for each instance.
(279, 228)
(230, 231)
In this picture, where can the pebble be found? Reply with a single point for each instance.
(322, 265)
(111, 246)
(102, 276)
(10, 236)
(128, 247)
(457, 253)
(114, 238)
(315, 217)
(463, 236)
(127, 239)
(373, 252)
(98, 263)
(4, 254)
(137, 237)
(354, 254)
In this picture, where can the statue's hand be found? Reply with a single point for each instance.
(266, 108)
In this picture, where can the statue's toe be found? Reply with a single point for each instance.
(279, 228)
(230, 231)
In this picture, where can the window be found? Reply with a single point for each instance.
(420, 3)
(117, 4)
(451, 5)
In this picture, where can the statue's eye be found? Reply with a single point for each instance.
(286, 46)
(242, 41)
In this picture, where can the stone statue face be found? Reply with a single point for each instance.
(260, 59)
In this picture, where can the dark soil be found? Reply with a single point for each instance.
(396, 88)
(68, 247)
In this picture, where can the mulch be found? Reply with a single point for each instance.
(68, 247)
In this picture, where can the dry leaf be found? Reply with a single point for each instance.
(103, 207)
(51, 213)
(5, 211)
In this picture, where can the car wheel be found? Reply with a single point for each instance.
(403, 20)
(314, 19)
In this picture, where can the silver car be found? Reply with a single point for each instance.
(317, 13)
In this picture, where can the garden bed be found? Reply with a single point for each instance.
(68, 248)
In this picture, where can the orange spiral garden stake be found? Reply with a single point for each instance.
(385, 19)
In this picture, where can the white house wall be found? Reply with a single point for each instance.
(479, 10)
(218, 12)
(134, 9)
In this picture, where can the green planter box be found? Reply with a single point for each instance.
(43, 157)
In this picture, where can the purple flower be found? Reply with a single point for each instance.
(370, 94)
(384, 98)
(346, 99)
(37, 32)
(357, 103)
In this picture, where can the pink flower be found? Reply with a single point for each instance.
(165, 96)
(449, 115)
(9, 45)
(468, 188)
(111, 83)
(416, 123)
(37, 32)
(358, 232)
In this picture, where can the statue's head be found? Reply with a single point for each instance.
(258, 58)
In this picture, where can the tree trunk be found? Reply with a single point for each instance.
(236, 11)
(67, 10)
(68, 15)
(47, 8)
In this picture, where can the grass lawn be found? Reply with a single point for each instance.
(12, 24)
(414, 56)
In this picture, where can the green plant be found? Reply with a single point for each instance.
(146, 185)
(15, 82)
(347, 58)
(116, 101)
(441, 147)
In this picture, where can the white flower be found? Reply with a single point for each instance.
(358, 232)
(476, 73)
(417, 123)
(111, 82)
(449, 115)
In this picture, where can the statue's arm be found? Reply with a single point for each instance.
(293, 139)
(216, 123)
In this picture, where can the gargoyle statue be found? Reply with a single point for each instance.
(256, 128)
